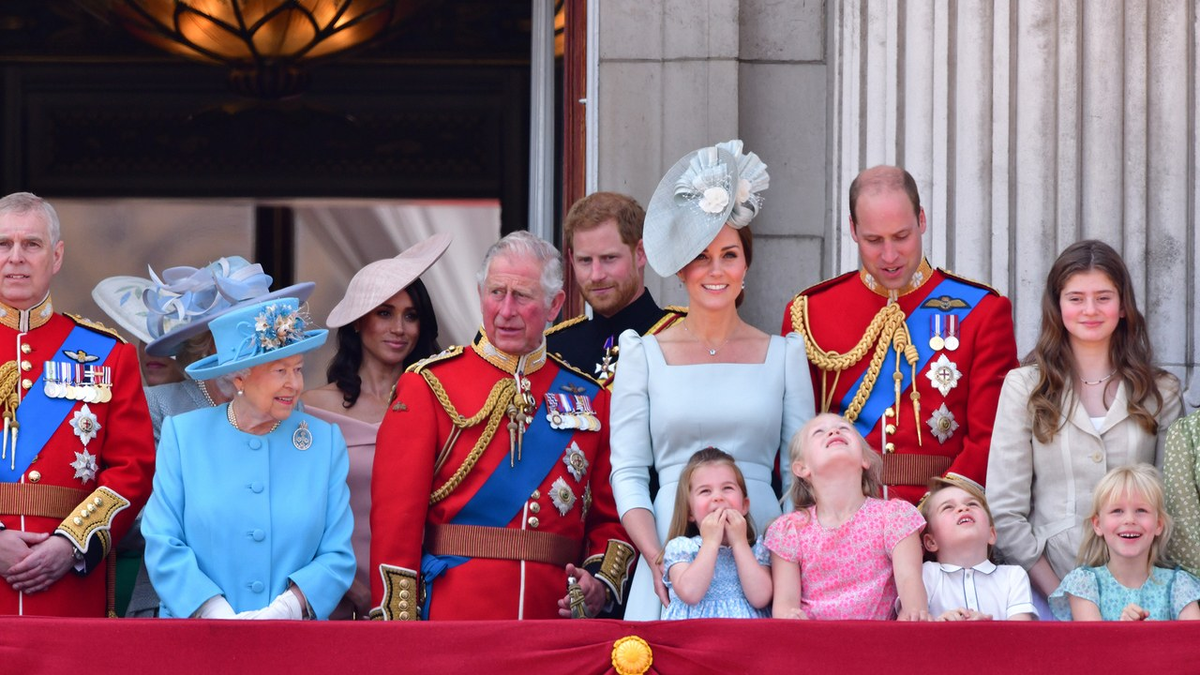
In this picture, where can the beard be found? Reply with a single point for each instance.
(616, 298)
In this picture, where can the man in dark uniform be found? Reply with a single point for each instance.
(77, 451)
(490, 486)
(603, 238)
(914, 356)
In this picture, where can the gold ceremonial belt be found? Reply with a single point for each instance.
(913, 469)
(47, 501)
(477, 541)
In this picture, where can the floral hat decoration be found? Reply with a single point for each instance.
(702, 192)
(180, 304)
(258, 333)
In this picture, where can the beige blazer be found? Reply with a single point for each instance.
(1040, 493)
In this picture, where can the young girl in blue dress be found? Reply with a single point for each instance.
(1119, 578)
(713, 565)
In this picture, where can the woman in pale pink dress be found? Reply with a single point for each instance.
(843, 553)
(385, 323)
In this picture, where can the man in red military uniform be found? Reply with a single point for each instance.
(914, 356)
(77, 452)
(490, 486)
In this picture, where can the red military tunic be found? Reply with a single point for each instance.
(88, 493)
(958, 389)
(504, 543)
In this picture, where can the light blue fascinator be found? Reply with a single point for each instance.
(256, 333)
(702, 192)
(181, 303)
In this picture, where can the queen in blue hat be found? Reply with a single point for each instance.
(250, 514)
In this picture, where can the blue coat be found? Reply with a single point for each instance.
(240, 515)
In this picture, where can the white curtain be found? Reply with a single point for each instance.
(334, 239)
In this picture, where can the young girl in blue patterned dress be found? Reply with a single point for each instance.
(1118, 578)
(713, 565)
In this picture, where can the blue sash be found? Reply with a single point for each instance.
(40, 416)
(505, 492)
(884, 394)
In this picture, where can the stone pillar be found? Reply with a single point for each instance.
(1028, 126)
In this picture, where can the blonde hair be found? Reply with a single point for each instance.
(939, 483)
(1139, 479)
(803, 495)
(681, 524)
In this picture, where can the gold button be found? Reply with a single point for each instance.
(91, 508)
(533, 522)
(25, 365)
(83, 513)
(404, 616)
(35, 476)
(25, 348)
(889, 447)
(888, 412)
(535, 507)
(77, 520)
(535, 495)
(403, 604)
(26, 383)
(891, 428)
(97, 501)
(404, 595)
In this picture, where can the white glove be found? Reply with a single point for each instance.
(216, 607)
(285, 606)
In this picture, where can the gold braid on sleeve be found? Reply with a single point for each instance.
(10, 376)
(886, 330)
(493, 410)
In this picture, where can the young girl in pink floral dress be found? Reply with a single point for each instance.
(843, 553)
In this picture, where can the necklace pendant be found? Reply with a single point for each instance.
(712, 352)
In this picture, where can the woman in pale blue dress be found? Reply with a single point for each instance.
(710, 379)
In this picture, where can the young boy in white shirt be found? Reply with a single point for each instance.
(964, 584)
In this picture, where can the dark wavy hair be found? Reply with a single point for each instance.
(343, 368)
(1129, 347)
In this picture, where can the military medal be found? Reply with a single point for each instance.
(942, 424)
(85, 466)
(561, 496)
(607, 366)
(302, 437)
(943, 374)
(952, 332)
(85, 424)
(571, 411)
(51, 387)
(576, 462)
(936, 343)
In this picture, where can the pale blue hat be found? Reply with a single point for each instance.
(702, 192)
(255, 334)
(181, 303)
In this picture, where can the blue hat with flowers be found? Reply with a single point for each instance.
(256, 334)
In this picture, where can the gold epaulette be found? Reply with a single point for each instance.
(566, 323)
(446, 354)
(97, 326)
(563, 363)
(673, 313)
(401, 595)
(972, 282)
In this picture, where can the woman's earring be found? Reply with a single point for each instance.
(240, 392)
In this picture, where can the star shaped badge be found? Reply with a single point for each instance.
(85, 424)
(85, 466)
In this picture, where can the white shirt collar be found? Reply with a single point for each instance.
(985, 567)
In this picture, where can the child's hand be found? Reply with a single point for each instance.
(1134, 613)
(964, 614)
(797, 614)
(712, 528)
(735, 527)
(914, 615)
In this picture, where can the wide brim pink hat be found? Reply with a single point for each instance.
(382, 279)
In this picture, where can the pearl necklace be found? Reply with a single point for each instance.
(233, 420)
(712, 351)
(1102, 380)
(207, 397)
